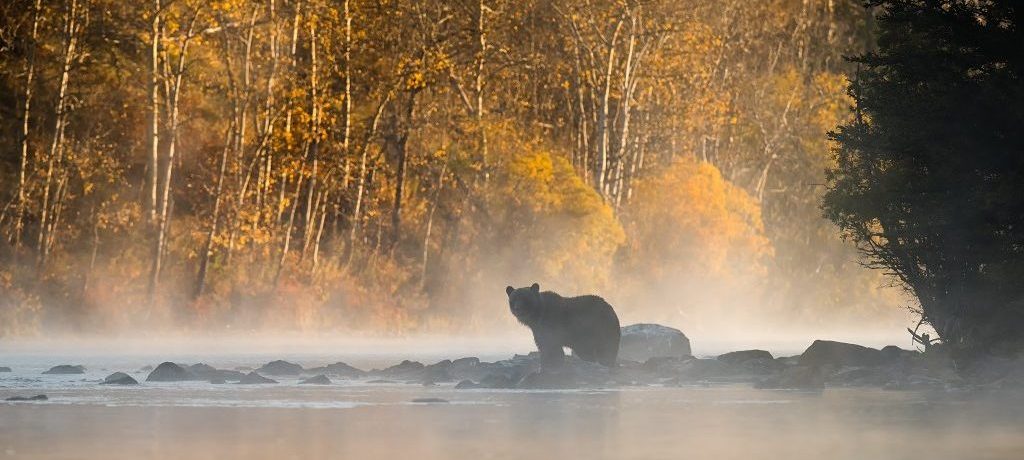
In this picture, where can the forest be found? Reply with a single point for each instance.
(391, 165)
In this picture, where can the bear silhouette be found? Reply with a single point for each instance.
(586, 324)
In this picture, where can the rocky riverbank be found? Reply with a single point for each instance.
(650, 355)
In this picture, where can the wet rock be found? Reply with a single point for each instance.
(430, 401)
(997, 372)
(66, 369)
(119, 378)
(467, 369)
(892, 353)
(28, 398)
(641, 342)
(280, 367)
(5, 369)
(920, 383)
(509, 369)
(494, 381)
(207, 372)
(662, 366)
(549, 380)
(170, 372)
(253, 378)
(688, 369)
(839, 354)
(316, 380)
(465, 363)
(795, 377)
(202, 370)
(218, 381)
(406, 370)
(788, 360)
(437, 372)
(338, 369)
(860, 377)
(497, 381)
(740, 357)
(573, 373)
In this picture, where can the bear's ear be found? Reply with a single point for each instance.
(508, 290)
(535, 288)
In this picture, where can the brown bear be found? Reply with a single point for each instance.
(586, 324)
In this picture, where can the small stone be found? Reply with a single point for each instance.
(28, 398)
(430, 401)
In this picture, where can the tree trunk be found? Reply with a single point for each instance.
(602, 120)
(314, 133)
(173, 98)
(214, 219)
(55, 158)
(154, 100)
(480, 59)
(361, 182)
(395, 144)
(346, 130)
(30, 71)
(430, 224)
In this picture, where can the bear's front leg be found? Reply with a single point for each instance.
(550, 348)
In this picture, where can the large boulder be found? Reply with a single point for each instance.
(5, 369)
(338, 369)
(170, 372)
(839, 354)
(740, 357)
(641, 342)
(119, 378)
(752, 362)
(253, 378)
(280, 367)
(66, 369)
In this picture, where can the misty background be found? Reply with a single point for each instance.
(307, 167)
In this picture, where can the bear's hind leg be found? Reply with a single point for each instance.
(585, 353)
(608, 355)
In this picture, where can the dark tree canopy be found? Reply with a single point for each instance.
(929, 175)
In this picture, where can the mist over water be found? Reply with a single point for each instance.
(358, 419)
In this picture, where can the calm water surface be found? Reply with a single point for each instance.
(356, 419)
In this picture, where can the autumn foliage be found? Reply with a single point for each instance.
(390, 166)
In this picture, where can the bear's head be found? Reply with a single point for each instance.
(525, 303)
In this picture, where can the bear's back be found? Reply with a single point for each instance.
(585, 311)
